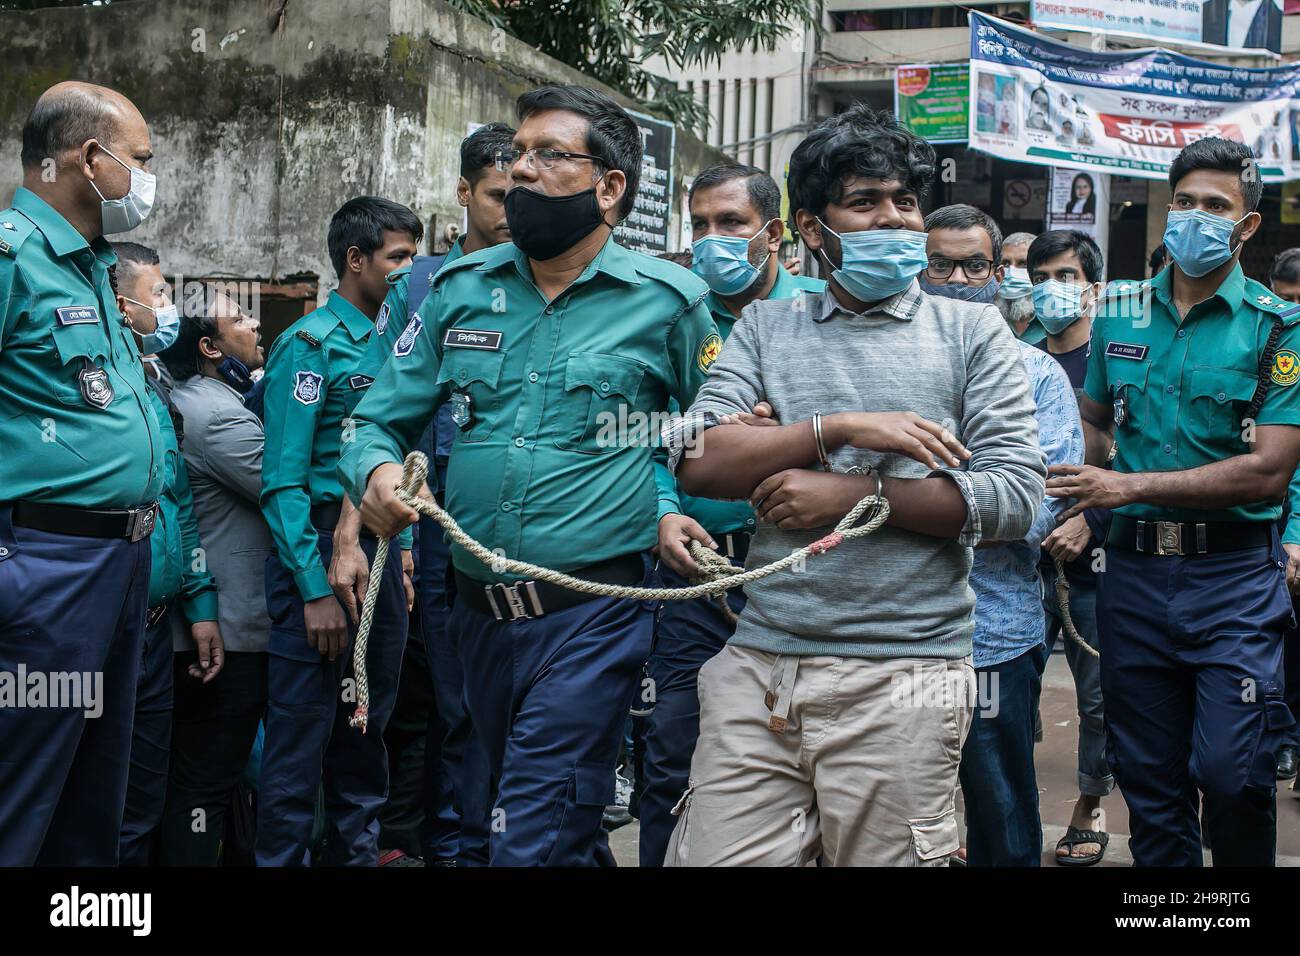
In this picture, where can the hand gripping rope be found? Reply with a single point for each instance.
(718, 575)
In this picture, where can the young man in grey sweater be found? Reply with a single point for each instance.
(832, 723)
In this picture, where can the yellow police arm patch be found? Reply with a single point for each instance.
(709, 351)
(1286, 367)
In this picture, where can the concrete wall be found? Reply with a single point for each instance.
(267, 114)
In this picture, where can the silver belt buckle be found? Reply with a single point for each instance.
(142, 523)
(1169, 537)
(507, 601)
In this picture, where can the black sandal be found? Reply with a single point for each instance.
(1073, 836)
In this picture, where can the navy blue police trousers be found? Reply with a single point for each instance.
(309, 745)
(151, 739)
(549, 697)
(72, 614)
(1191, 673)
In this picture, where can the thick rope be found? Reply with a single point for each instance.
(1063, 601)
(717, 575)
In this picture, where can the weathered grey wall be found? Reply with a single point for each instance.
(277, 111)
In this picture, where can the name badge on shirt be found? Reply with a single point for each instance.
(471, 339)
(1126, 351)
(361, 381)
(77, 315)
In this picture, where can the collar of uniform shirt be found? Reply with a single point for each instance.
(58, 232)
(901, 306)
(353, 319)
(1232, 290)
(613, 260)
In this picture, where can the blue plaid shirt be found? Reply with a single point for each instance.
(1009, 617)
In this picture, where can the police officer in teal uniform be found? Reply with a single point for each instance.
(458, 780)
(313, 382)
(1194, 372)
(736, 232)
(80, 476)
(542, 348)
(179, 582)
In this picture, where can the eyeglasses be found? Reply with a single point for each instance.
(941, 267)
(538, 158)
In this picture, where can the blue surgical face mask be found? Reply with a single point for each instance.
(1057, 304)
(1198, 241)
(1015, 284)
(165, 331)
(962, 292)
(878, 263)
(235, 374)
(723, 262)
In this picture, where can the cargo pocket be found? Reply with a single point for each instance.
(475, 373)
(1219, 399)
(590, 790)
(596, 387)
(934, 839)
(75, 345)
(1274, 728)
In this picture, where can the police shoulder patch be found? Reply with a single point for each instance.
(1286, 367)
(381, 321)
(709, 351)
(406, 341)
(306, 388)
(308, 337)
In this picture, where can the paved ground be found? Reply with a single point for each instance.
(1055, 760)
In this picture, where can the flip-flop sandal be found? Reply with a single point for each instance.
(1073, 835)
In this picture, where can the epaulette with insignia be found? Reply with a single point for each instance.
(308, 337)
(13, 230)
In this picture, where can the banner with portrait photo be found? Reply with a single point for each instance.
(1252, 27)
(1080, 200)
(1039, 101)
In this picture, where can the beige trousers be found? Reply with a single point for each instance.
(848, 759)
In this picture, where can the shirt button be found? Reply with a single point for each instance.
(532, 376)
(1168, 449)
(506, 506)
(461, 374)
(519, 443)
(4, 552)
(604, 386)
(1169, 389)
(1182, 333)
(550, 309)
(1222, 396)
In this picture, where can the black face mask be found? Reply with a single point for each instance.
(545, 226)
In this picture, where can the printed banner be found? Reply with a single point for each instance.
(1124, 111)
(1080, 200)
(1243, 26)
(931, 99)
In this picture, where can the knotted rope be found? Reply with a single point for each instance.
(717, 575)
(1063, 601)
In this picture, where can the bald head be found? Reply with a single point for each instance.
(68, 114)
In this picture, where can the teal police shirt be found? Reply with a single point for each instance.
(76, 427)
(178, 567)
(723, 517)
(1183, 388)
(554, 401)
(313, 382)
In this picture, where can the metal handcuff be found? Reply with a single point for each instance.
(851, 470)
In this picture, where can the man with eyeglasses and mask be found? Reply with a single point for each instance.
(542, 348)
(845, 694)
(736, 233)
(1193, 375)
(999, 786)
(80, 476)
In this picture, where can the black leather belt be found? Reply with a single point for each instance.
(132, 524)
(325, 516)
(529, 599)
(734, 545)
(1187, 537)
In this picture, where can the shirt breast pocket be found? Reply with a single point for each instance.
(74, 344)
(596, 386)
(476, 373)
(1128, 383)
(1220, 397)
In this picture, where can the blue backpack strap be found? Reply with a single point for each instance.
(423, 269)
